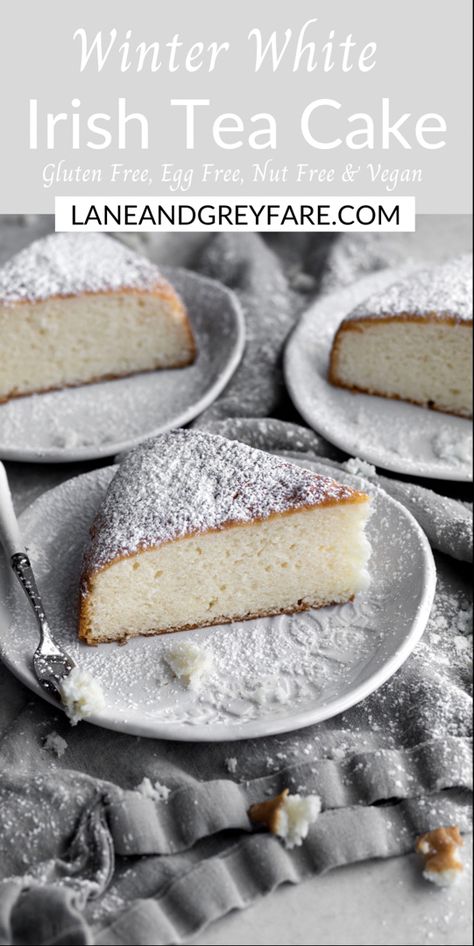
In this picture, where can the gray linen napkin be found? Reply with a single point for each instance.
(86, 858)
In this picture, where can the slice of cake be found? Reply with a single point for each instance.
(196, 530)
(413, 341)
(78, 308)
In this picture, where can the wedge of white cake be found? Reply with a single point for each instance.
(413, 341)
(79, 308)
(197, 530)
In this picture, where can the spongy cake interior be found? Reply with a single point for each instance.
(427, 362)
(305, 558)
(67, 341)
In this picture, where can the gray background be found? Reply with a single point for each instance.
(423, 65)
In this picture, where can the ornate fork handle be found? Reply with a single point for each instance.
(51, 663)
(22, 567)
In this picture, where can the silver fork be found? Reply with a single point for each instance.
(51, 663)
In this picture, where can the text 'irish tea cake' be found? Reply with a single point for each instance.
(197, 530)
(412, 341)
(79, 308)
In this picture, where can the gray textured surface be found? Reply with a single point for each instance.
(387, 769)
(364, 905)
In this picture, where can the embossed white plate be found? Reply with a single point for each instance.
(391, 434)
(100, 420)
(270, 675)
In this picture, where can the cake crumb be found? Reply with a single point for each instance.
(440, 849)
(359, 467)
(272, 689)
(55, 743)
(154, 790)
(190, 663)
(337, 753)
(81, 695)
(287, 816)
(231, 765)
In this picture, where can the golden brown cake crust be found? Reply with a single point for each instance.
(440, 849)
(267, 813)
(85, 635)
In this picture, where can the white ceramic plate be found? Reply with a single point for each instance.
(391, 434)
(100, 420)
(270, 675)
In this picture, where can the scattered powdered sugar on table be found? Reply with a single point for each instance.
(154, 790)
(442, 657)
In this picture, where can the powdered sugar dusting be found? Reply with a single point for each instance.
(277, 664)
(448, 445)
(68, 264)
(439, 291)
(188, 482)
